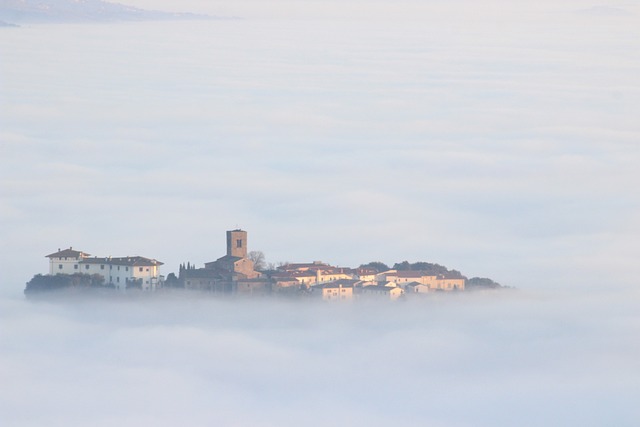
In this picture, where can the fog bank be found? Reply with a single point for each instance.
(487, 359)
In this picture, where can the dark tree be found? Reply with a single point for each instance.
(376, 265)
(46, 283)
(427, 267)
(482, 283)
(258, 259)
(404, 265)
(172, 281)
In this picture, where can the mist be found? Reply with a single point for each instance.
(498, 139)
(488, 359)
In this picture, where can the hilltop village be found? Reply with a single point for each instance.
(236, 273)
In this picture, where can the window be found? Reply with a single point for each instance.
(111, 267)
(86, 267)
(239, 243)
(75, 266)
(126, 269)
(60, 267)
(118, 268)
(140, 269)
(117, 279)
(102, 267)
(147, 269)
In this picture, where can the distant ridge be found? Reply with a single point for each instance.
(6, 24)
(77, 11)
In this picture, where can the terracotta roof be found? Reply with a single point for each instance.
(227, 258)
(283, 275)
(337, 270)
(135, 261)
(342, 283)
(200, 273)
(303, 274)
(380, 288)
(414, 284)
(308, 266)
(450, 276)
(414, 273)
(69, 253)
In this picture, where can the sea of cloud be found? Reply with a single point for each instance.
(499, 143)
(484, 359)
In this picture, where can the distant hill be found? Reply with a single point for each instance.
(6, 24)
(70, 11)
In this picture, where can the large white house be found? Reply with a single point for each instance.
(121, 272)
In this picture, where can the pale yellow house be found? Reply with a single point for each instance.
(339, 290)
(416, 288)
(439, 282)
(365, 274)
(388, 292)
(314, 273)
(444, 283)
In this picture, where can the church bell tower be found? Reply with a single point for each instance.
(237, 243)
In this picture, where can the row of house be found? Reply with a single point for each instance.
(331, 282)
(235, 273)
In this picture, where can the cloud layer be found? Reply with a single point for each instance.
(483, 360)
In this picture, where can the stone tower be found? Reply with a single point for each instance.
(237, 243)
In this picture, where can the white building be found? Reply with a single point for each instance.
(121, 272)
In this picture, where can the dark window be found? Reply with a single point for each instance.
(60, 267)
(239, 243)
(147, 268)
(126, 269)
(75, 267)
(140, 269)
(102, 267)
(86, 267)
(117, 279)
